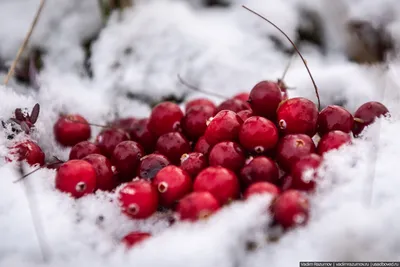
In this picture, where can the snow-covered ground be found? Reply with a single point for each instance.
(226, 50)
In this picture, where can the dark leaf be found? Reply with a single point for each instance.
(25, 127)
(16, 121)
(19, 115)
(35, 113)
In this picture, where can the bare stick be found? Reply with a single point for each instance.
(91, 124)
(57, 160)
(26, 40)
(194, 88)
(295, 47)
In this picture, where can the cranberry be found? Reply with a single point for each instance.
(232, 104)
(245, 114)
(200, 102)
(82, 149)
(197, 205)
(194, 122)
(259, 169)
(124, 123)
(105, 177)
(202, 146)
(76, 177)
(140, 133)
(334, 118)
(150, 165)
(283, 88)
(291, 208)
(138, 199)
(285, 182)
(26, 150)
(333, 140)
(172, 183)
(108, 139)
(242, 96)
(366, 114)
(71, 129)
(264, 99)
(224, 126)
(229, 155)
(220, 182)
(173, 145)
(258, 134)
(261, 188)
(165, 118)
(304, 172)
(298, 115)
(193, 163)
(126, 158)
(135, 238)
(291, 148)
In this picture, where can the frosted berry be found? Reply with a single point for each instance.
(334, 118)
(366, 115)
(197, 205)
(82, 149)
(108, 139)
(126, 158)
(304, 172)
(291, 208)
(333, 140)
(135, 238)
(229, 155)
(76, 177)
(165, 118)
(173, 145)
(71, 129)
(105, 176)
(193, 163)
(202, 146)
(26, 150)
(264, 99)
(232, 104)
(140, 133)
(259, 169)
(261, 188)
(224, 126)
(200, 102)
(150, 165)
(194, 122)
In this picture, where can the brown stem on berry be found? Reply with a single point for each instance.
(57, 161)
(24, 44)
(359, 120)
(294, 46)
(194, 88)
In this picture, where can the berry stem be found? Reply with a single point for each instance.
(57, 161)
(91, 124)
(294, 46)
(194, 88)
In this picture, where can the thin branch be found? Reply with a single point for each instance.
(287, 67)
(194, 88)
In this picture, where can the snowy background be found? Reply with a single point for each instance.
(133, 63)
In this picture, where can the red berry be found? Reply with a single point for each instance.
(82, 149)
(108, 139)
(135, 238)
(259, 169)
(333, 140)
(200, 102)
(291, 208)
(264, 99)
(245, 114)
(202, 146)
(298, 116)
(285, 182)
(193, 163)
(194, 122)
(172, 184)
(304, 172)
(124, 123)
(165, 118)
(76, 177)
(150, 165)
(224, 126)
(105, 177)
(366, 114)
(291, 148)
(140, 133)
(334, 118)
(197, 205)
(232, 104)
(173, 145)
(126, 158)
(261, 188)
(258, 134)
(242, 96)
(26, 150)
(71, 129)
(138, 199)
(220, 182)
(229, 155)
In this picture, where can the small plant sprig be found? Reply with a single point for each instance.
(25, 120)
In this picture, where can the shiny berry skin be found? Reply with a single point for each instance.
(334, 118)
(76, 177)
(291, 208)
(224, 126)
(366, 114)
(126, 158)
(258, 134)
(82, 149)
(138, 199)
(26, 150)
(229, 155)
(165, 118)
(196, 206)
(200, 102)
(172, 184)
(135, 238)
(140, 133)
(193, 163)
(264, 99)
(261, 188)
(291, 148)
(304, 172)
(150, 165)
(108, 139)
(194, 122)
(173, 145)
(222, 183)
(245, 114)
(242, 96)
(105, 177)
(259, 169)
(333, 140)
(232, 104)
(202, 146)
(71, 129)
(298, 116)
